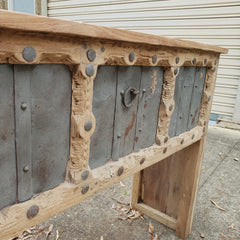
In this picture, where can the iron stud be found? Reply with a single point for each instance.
(29, 54)
(23, 106)
(131, 56)
(85, 189)
(91, 55)
(26, 168)
(120, 171)
(32, 211)
(89, 70)
(85, 175)
(88, 125)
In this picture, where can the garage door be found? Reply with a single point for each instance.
(214, 22)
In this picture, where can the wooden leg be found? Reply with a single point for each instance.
(167, 190)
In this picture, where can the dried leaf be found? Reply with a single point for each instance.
(101, 238)
(122, 184)
(150, 228)
(202, 235)
(214, 203)
(156, 237)
(236, 159)
(232, 226)
(124, 193)
(223, 235)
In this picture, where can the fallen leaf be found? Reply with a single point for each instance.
(124, 193)
(122, 184)
(156, 237)
(150, 228)
(214, 203)
(202, 235)
(232, 226)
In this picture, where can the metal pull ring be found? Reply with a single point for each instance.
(129, 96)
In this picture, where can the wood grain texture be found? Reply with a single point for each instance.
(31, 23)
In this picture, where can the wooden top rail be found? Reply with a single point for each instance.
(32, 23)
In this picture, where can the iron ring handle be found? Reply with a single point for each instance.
(131, 93)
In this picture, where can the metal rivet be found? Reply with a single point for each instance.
(85, 175)
(193, 136)
(180, 117)
(140, 130)
(182, 141)
(84, 46)
(29, 54)
(175, 71)
(120, 171)
(164, 150)
(177, 60)
(142, 161)
(170, 107)
(85, 189)
(88, 125)
(205, 61)
(194, 61)
(91, 55)
(102, 49)
(154, 59)
(165, 139)
(209, 98)
(144, 90)
(131, 56)
(32, 211)
(26, 168)
(23, 106)
(89, 70)
(205, 122)
(119, 136)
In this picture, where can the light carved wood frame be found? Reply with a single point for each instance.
(72, 51)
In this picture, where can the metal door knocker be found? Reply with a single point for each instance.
(129, 96)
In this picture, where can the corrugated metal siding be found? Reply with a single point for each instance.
(214, 22)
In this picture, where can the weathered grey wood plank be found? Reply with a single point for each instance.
(8, 181)
(104, 97)
(177, 97)
(196, 97)
(185, 101)
(125, 117)
(148, 106)
(51, 101)
(22, 79)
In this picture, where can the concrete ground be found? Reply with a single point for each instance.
(220, 182)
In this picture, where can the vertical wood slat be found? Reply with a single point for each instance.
(148, 107)
(22, 79)
(8, 181)
(125, 118)
(104, 98)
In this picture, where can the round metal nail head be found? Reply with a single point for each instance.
(29, 54)
(32, 211)
(131, 56)
(154, 59)
(23, 106)
(85, 174)
(91, 55)
(120, 171)
(85, 189)
(26, 168)
(88, 125)
(89, 70)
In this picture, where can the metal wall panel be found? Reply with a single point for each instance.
(8, 181)
(214, 22)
